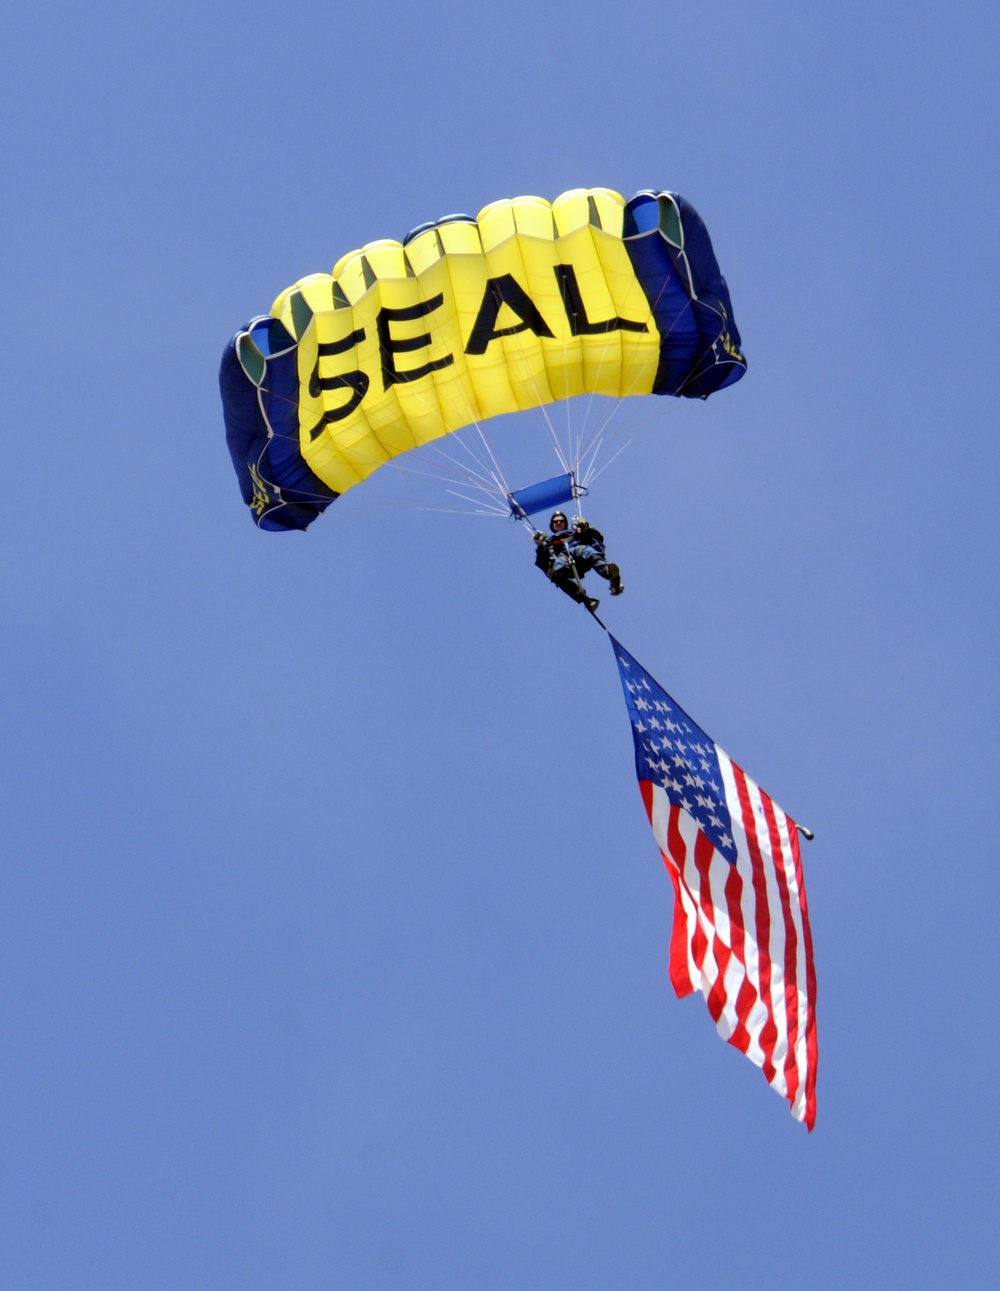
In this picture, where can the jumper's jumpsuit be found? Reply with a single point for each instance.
(558, 553)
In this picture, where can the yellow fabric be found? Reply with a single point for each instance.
(520, 241)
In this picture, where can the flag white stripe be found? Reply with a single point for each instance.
(660, 821)
(758, 1016)
(801, 968)
(776, 947)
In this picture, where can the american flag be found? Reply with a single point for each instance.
(741, 924)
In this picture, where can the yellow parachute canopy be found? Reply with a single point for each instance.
(404, 342)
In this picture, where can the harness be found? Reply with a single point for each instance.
(561, 540)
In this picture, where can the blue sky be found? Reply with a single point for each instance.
(333, 939)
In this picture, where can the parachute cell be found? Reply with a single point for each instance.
(404, 342)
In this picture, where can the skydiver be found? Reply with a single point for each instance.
(567, 554)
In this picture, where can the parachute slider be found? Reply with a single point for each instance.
(544, 496)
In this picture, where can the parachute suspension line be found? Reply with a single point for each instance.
(710, 360)
(594, 447)
(585, 444)
(497, 475)
(490, 485)
(541, 405)
(596, 475)
(483, 510)
(484, 477)
(595, 442)
(565, 458)
(555, 440)
(573, 453)
(609, 344)
(597, 436)
(468, 480)
(578, 450)
(540, 401)
(486, 481)
(496, 464)
(581, 444)
(464, 511)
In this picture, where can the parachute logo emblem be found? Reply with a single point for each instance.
(261, 498)
(725, 340)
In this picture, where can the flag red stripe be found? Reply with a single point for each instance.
(746, 997)
(783, 863)
(718, 996)
(680, 977)
(781, 860)
(812, 1048)
(677, 850)
(703, 853)
(762, 924)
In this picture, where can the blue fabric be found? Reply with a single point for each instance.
(693, 312)
(433, 224)
(585, 557)
(673, 751)
(277, 485)
(543, 496)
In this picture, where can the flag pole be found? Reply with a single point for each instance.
(593, 614)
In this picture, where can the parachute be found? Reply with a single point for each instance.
(466, 319)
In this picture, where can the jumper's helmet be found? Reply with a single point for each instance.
(558, 515)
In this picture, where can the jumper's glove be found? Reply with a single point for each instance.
(580, 524)
(538, 536)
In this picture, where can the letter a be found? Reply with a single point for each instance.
(501, 291)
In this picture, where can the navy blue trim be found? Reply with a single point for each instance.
(277, 485)
(700, 345)
(433, 224)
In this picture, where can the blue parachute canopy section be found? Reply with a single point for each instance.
(259, 381)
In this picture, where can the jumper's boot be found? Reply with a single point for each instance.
(591, 603)
(615, 579)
